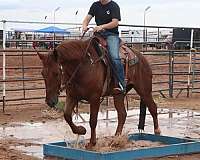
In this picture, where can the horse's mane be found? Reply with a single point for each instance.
(72, 49)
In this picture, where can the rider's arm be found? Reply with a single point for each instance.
(114, 23)
(86, 21)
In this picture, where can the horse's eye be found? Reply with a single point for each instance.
(56, 74)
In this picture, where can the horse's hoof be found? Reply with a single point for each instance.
(157, 131)
(89, 146)
(118, 133)
(81, 130)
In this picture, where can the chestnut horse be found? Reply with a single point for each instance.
(71, 64)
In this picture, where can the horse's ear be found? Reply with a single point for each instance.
(41, 56)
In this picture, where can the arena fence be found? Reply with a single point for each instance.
(174, 71)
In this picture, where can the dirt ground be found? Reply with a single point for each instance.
(35, 113)
(6, 153)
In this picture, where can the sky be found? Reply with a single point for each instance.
(181, 13)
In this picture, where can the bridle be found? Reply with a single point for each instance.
(66, 85)
(47, 69)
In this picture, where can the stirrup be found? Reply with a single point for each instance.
(121, 87)
(117, 90)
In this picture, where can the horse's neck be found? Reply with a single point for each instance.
(70, 58)
(72, 50)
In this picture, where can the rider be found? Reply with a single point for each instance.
(107, 17)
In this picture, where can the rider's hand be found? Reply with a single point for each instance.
(98, 28)
(84, 28)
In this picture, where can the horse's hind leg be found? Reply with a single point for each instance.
(142, 115)
(148, 100)
(121, 112)
(69, 107)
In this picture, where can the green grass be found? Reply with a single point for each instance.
(60, 105)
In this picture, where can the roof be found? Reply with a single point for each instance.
(52, 29)
(22, 30)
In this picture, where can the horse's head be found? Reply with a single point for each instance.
(51, 73)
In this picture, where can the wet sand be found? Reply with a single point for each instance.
(28, 137)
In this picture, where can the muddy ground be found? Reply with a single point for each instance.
(36, 113)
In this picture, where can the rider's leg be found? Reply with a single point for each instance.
(113, 48)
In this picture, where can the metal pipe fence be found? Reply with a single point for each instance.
(21, 78)
(166, 84)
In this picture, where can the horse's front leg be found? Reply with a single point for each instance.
(94, 109)
(69, 107)
(121, 112)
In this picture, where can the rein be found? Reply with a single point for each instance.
(86, 53)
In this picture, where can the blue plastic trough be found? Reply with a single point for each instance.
(173, 146)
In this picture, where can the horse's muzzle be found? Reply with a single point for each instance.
(52, 102)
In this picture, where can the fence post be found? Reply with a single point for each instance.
(4, 64)
(193, 67)
(23, 72)
(190, 62)
(171, 73)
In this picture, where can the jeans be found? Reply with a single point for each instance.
(113, 42)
